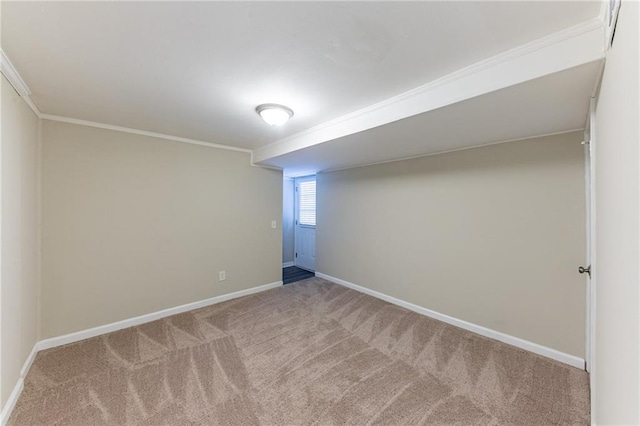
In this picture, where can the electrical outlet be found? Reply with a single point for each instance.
(222, 275)
(273, 224)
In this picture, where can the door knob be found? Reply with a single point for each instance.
(582, 270)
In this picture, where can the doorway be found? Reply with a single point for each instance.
(305, 223)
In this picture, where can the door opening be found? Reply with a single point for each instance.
(305, 223)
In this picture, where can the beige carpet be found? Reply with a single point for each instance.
(307, 353)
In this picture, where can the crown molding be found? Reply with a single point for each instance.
(413, 102)
(32, 105)
(449, 151)
(602, 15)
(401, 106)
(266, 166)
(12, 75)
(69, 120)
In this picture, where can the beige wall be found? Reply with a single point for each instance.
(288, 220)
(133, 224)
(491, 235)
(19, 211)
(616, 374)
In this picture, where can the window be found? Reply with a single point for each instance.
(307, 202)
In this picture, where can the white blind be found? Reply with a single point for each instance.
(307, 202)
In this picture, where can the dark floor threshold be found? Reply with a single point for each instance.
(294, 274)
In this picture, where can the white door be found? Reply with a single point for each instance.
(305, 229)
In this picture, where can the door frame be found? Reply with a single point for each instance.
(296, 218)
(590, 141)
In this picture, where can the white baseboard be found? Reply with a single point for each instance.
(17, 390)
(565, 358)
(11, 402)
(287, 264)
(115, 326)
(130, 322)
(29, 361)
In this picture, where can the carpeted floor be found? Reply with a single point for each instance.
(307, 353)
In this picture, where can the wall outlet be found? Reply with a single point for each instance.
(273, 224)
(222, 275)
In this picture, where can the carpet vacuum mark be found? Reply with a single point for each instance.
(310, 353)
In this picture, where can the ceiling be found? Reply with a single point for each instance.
(198, 70)
(551, 104)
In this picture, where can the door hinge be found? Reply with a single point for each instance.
(296, 255)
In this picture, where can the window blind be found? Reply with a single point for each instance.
(307, 202)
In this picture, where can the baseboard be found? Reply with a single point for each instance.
(554, 354)
(17, 390)
(130, 322)
(11, 402)
(29, 361)
(287, 264)
(108, 328)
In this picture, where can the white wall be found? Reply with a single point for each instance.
(19, 211)
(134, 224)
(491, 235)
(616, 399)
(288, 220)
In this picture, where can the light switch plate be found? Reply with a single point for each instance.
(273, 224)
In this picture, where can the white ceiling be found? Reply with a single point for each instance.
(197, 70)
(551, 104)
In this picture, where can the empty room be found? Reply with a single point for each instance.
(327, 213)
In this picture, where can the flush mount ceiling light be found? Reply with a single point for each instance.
(274, 114)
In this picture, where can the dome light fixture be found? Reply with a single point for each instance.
(274, 114)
